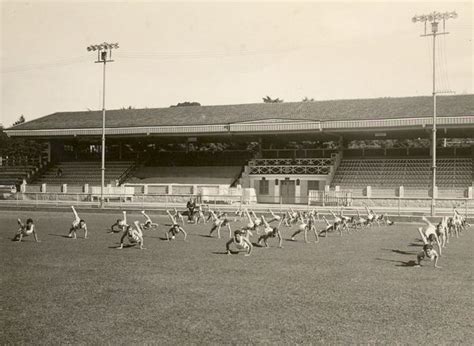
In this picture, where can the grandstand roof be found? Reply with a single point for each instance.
(333, 110)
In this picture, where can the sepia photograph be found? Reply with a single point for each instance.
(236, 172)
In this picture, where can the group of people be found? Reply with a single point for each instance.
(439, 235)
(266, 229)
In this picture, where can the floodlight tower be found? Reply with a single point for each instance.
(104, 55)
(434, 18)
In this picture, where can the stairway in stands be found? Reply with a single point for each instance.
(412, 173)
(80, 173)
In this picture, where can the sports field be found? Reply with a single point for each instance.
(358, 288)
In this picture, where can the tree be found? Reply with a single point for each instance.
(268, 99)
(21, 120)
(186, 104)
(306, 99)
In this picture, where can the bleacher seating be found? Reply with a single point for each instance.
(186, 175)
(14, 175)
(410, 173)
(80, 173)
(198, 158)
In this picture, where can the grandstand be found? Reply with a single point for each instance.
(410, 173)
(282, 151)
(14, 175)
(84, 172)
(186, 175)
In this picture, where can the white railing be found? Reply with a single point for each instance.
(292, 162)
(284, 169)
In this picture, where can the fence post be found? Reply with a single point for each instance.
(465, 212)
(398, 206)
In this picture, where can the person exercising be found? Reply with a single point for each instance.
(134, 235)
(25, 230)
(240, 241)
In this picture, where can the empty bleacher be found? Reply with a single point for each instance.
(411, 173)
(198, 158)
(186, 175)
(14, 175)
(80, 173)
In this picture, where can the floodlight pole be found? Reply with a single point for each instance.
(104, 55)
(434, 19)
(102, 181)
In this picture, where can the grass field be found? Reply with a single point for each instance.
(359, 288)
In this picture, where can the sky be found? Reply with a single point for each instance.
(224, 53)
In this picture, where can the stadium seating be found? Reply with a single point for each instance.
(80, 173)
(186, 175)
(410, 173)
(14, 175)
(198, 158)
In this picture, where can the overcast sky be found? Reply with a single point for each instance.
(223, 53)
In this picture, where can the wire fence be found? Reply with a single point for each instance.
(398, 206)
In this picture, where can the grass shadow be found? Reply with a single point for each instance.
(125, 246)
(410, 263)
(401, 252)
(59, 235)
(415, 244)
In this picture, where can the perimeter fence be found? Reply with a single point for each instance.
(397, 206)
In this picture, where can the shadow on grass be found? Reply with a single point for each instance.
(60, 235)
(125, 246)
(415, 244)
(411, 263)
(410, 253)
(224, 252)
